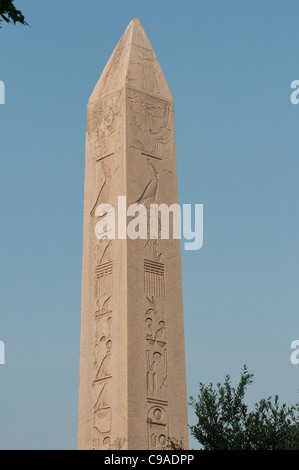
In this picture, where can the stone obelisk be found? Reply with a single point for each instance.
(132, 365)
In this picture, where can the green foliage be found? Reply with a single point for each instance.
(224, 422)
(10, 14)
(174, 444)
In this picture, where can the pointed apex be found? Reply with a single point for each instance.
(136, 20)
(133, 64)
(139, 37)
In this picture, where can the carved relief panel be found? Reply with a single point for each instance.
(104, 134)
(150, 129)
(149, 123)
(104, 124)
(157, 424)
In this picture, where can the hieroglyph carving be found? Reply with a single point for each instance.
(156, 347)
(104, 279)
(103, 317)
(149, 122)
(154, 278)
(157, 424)
(104, 175)
(156, 353)
(102, 348)
(102, 414)
(105, 119)
(104, 123)
(142, 71)
(149, 194)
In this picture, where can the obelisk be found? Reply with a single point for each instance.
(132, 392)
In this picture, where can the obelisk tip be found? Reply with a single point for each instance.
(133, 63)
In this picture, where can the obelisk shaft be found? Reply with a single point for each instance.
(132, 364)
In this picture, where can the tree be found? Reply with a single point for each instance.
(224, 422)
(10, 14)
(174, 444)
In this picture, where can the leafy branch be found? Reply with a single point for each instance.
(224, 422)
(10, 14)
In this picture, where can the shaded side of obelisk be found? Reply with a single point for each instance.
(132, 362)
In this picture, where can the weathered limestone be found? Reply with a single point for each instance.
(132, 365)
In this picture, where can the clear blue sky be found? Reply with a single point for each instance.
(229, 66)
